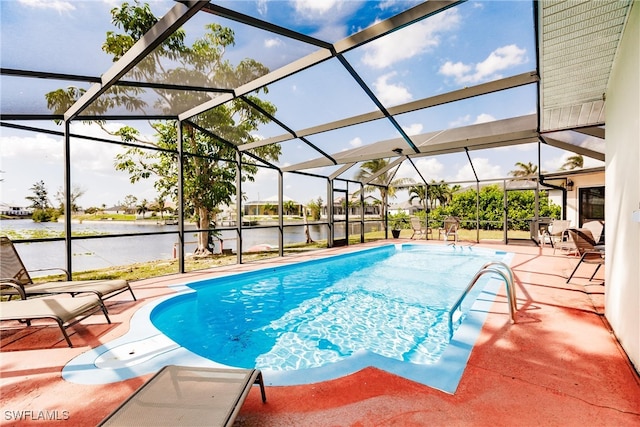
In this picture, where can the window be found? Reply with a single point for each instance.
(591, 204)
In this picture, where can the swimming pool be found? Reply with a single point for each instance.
(386, 307)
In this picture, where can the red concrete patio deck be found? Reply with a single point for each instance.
(559, 365)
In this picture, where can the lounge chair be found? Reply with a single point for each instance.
(419, 229)
(13, 271)
(596, 228)
(586, 247)
(59, 308)
(180, 395)
(450, 228)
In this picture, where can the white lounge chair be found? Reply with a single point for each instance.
(63, 310)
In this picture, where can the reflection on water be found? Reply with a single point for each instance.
(97, 253)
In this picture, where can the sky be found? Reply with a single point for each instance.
(464, 46)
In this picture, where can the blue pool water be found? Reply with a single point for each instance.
(391, 303)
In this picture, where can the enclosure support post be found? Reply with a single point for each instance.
(180, 198)
(281, 214)
(67, 197)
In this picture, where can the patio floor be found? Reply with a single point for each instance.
(559, 365)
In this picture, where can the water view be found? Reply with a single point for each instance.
(96, 253)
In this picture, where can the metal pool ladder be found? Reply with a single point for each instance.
(495, 267)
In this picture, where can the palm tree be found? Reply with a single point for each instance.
(524, 169)
(573, 162)
(142, 208)
(289, 206)
(371, 168)
(419, 192)
(160, 206)
(269, 208)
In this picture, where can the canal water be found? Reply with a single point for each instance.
(104, 252)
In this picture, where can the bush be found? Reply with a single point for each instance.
(399, 221)
(45, 215)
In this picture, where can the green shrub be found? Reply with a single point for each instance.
(45, 215)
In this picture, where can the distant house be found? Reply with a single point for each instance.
(14, 210)
(405, 207)
(118, 209)
(372, 207)
(269, 206)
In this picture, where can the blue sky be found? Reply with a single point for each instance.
(467, 45)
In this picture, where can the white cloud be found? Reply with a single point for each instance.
(484, 118)
(49, 148)
(467, 120)
(482, 167)
(411, 41)
(355, 142)
(414, 129)
(261, 5)
(499, 60)
(430, 168)
(388, 93)
(273, 42)
(460, 121)
(309, 8)
(57, 5)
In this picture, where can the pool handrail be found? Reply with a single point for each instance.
(510, 287)
(489, 267)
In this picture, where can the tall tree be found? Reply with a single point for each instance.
(160, 205)
(573, 162)
(130, 202)
(386, 189)
(76, 193)
(40, 198)
(209, 165)
(315, 206)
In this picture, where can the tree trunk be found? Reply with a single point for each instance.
(306, 226)
(203, 237)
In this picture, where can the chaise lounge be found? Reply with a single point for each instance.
(189, 396)
(586, 247)
(13, 271)
(63, 310)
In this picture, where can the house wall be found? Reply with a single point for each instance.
(622, 157)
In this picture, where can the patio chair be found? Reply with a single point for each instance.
(586, 247)
(557, 234)
(13, 271)
(63, 310)
(450, 228)
(419, 229)
(181, 395)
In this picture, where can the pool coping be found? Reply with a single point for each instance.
(144, 350)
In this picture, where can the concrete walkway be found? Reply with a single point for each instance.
(559, 365)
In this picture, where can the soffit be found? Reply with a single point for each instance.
(578, 43)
